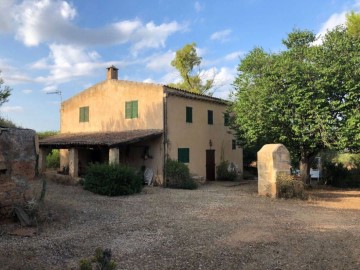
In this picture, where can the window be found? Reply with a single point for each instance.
(210, 117)
(188, 114)
(233, 144)
(226, 119)
(184, 155)
(84, 114)
(131, 109)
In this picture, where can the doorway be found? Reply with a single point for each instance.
(210, 165)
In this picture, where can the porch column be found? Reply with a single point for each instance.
(73, 162)
(114, 156)
(43, 152)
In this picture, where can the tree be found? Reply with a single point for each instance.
(5, 92)
(185, 61)
(353, 23)
(296, 97)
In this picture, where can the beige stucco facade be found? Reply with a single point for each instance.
(197, 135)
(159, 108)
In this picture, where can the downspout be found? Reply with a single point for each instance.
(165, 134)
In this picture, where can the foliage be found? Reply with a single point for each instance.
(112, 179)
(53, 159)
(101, 259)
(178, 175)
(289, 187)
(5, 92)
(185, 61)
(353, 24)
(7, 123)
(306, 97)
(45, 134)
(225, 172)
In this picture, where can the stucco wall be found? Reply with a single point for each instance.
(106, 101)
(196, 135)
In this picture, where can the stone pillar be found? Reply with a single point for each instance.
(272, 160)
(73, 162)
(114, 156)
(43, 152)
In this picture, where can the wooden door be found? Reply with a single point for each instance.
(210, 165)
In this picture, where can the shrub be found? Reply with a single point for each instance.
(53, 159)
(339, 176)
(101, 259)
(178, 175)
(289, 187)
(112, 180)
(226, 172)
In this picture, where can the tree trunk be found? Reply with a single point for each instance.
(305, 164)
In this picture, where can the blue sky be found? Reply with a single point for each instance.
(49, 45)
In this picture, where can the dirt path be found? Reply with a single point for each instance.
(219, 226)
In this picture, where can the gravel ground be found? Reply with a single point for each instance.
(222, 225)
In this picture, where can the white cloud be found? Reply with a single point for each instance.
(198, 6)
(27, 91)
(66, 62)
(148, 80)
(52, 21)
(221, 35)
(10, 109)
(11, 74)
(334, 20)
(223, 82)
(162, 62)
(50, 88)
(233, 56)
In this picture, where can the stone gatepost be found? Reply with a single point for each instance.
(272, 160)
(114, 156)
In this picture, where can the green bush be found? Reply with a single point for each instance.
(223, 172)
(339, 176)
(178, 175)
(289, 187)
(112, 180)
(53, 159)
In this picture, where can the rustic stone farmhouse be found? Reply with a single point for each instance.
(143, 124)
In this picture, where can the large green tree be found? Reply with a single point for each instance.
(305, 97)
(187, 62)
(353, 23)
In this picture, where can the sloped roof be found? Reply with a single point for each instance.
(91, 139)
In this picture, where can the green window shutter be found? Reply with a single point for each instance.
(188, 114)
(184, 155)
(84, 114)
(128, 109)
(131, 109)
(226, 119)
(134, 113)
(233, 144)
(210, 117)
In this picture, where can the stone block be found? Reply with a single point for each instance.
(272, 160)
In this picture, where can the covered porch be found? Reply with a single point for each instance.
(137, 148)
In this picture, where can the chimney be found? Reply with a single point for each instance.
(112, 73)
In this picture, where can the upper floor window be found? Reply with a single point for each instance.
(84, 114)
(131, 109)
(210, 117)
(226, 119)
(233, 144)
(188, 114)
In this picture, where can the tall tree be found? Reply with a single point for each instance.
(185, 61)
(296, 98)
(353, 23)
(5, 92)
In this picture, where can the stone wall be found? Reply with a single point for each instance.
(18, 150)
(272, 160)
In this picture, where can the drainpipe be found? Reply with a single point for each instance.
(165, 134)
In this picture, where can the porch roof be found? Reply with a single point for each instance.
(91, 139)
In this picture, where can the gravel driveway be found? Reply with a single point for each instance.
(222, 225)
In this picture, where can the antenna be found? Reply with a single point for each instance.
(58, 92)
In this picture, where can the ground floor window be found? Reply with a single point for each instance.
(184, 155)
